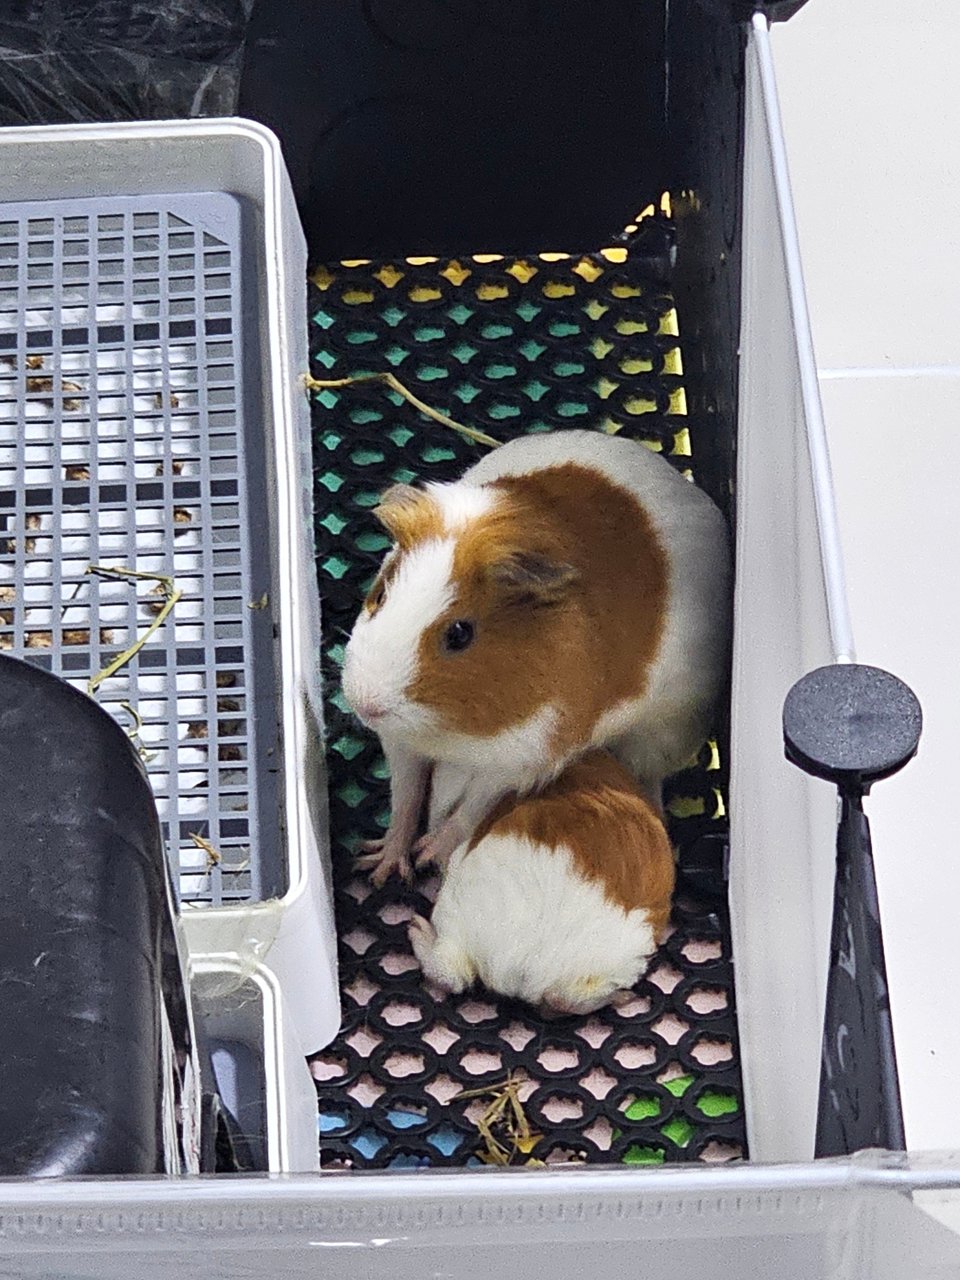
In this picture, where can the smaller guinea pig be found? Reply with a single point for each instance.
(559, 898)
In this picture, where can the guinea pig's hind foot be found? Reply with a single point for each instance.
(557, 1004)
(383, 857)
(622, 997)
(443, 963)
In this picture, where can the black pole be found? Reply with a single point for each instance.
(854, 725)
(859, 1086)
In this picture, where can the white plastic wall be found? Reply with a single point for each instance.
(790, 618)
(246, 1005)
(825, 1222)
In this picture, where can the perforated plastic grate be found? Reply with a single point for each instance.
(505, 345)
(122, 390)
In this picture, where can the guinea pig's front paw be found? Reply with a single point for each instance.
(383, 857)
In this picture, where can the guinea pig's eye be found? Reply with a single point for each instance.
(458, 636)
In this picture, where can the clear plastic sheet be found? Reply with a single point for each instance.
(65, 61)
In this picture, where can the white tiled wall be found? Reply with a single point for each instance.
(870, 91)
(871, 99)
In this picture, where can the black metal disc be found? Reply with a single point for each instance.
(851, 724)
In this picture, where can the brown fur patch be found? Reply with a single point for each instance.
(585, 637)
(409, 515)
(598, 811)
(381, 584)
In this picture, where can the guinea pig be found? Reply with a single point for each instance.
(571, 591)
(559, 898)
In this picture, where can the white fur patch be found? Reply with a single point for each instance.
(649, 736)
(460, 503)
(517, 753)
(521, 917)
(381, 655)
(473, 774)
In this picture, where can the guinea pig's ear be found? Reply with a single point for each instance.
(409, 515)
(528, 578)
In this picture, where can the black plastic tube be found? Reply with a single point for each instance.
(84, 931)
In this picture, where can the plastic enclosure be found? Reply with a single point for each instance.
(293, 933)
(868, 1218)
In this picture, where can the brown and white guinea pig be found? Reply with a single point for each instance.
(560, 897)
(570, 591)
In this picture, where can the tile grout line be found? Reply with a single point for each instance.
(901, 371)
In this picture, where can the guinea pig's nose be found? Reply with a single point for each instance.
(369, 710)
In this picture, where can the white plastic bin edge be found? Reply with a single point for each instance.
(791, 617)
(295, 934)
(265, 1023)
(859, 1220)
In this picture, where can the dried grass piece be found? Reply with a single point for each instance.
(49, 385)
(71, 405)
(176, 467)
(229, 751)
(32, 362)
(9, 545)
(197, 729)
(172, 593)
(228, 728)
(172, 400)
(225, 679)
(214, 856)
(394, 383)
(77, 472)
(156, 606)
(261, 603)
(133, 733)
(182, 516)
(8, 594)
(137, 718)
(504, 1126)
(74, 636)
(32, 523)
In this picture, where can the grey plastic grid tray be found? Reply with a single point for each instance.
(123, 385)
